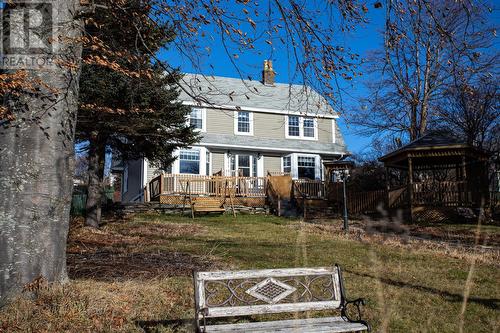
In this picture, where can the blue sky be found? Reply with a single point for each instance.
(363, 40)
(367, 37)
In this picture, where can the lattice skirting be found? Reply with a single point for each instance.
(257, 202)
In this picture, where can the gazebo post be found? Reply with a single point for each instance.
(410, 187)
(387, 186)
(465, 185)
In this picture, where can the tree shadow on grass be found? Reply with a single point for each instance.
(109, 265)
(176, 325)
(492, 303)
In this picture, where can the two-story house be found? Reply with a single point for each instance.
(250, 128)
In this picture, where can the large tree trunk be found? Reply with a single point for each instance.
(95, 186)
(36, 164)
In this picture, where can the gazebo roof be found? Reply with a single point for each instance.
(437, 147)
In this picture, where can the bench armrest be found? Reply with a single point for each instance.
(344, 312)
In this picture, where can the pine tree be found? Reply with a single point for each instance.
(127, 103)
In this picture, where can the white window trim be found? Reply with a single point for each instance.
(283, 163)
(334, 131)
(176, 166)
(253, 155)
(301, 129)
(250, 114)
(295, 165)
(209, 171)
(203, 119)
(145, 166)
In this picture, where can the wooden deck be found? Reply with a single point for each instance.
(180, 190)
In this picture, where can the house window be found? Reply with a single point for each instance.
(301, 128)
(207, 163)
(293, 126)
(306, 167)
(309, 127)
(196, 118)
(287, 164)
(243, 123)
(243, 165)
(189, 161)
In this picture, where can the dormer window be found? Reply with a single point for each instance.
(298, 127)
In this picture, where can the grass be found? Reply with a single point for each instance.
(134, 275)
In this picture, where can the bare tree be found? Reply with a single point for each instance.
(471, 110)
(39, 110)
(423, 41)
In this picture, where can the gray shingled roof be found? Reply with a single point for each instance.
(436, 138)
(305, 146)
(218, 90)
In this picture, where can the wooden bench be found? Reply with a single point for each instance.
(225, 294)
(206, 205)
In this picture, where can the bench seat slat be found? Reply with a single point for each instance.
(312, 325)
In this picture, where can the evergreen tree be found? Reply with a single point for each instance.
(127, 104)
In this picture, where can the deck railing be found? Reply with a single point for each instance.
(312, 189)
(179, 184)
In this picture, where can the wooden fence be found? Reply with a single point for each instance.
(357, 202)
(362, 202)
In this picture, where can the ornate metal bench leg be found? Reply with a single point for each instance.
(345, 304)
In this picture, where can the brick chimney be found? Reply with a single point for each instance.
(268, 74)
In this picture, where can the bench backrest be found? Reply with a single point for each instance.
(252, 292)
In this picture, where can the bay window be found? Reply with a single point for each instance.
(306, 167)
(287, 164)
(189, 161)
